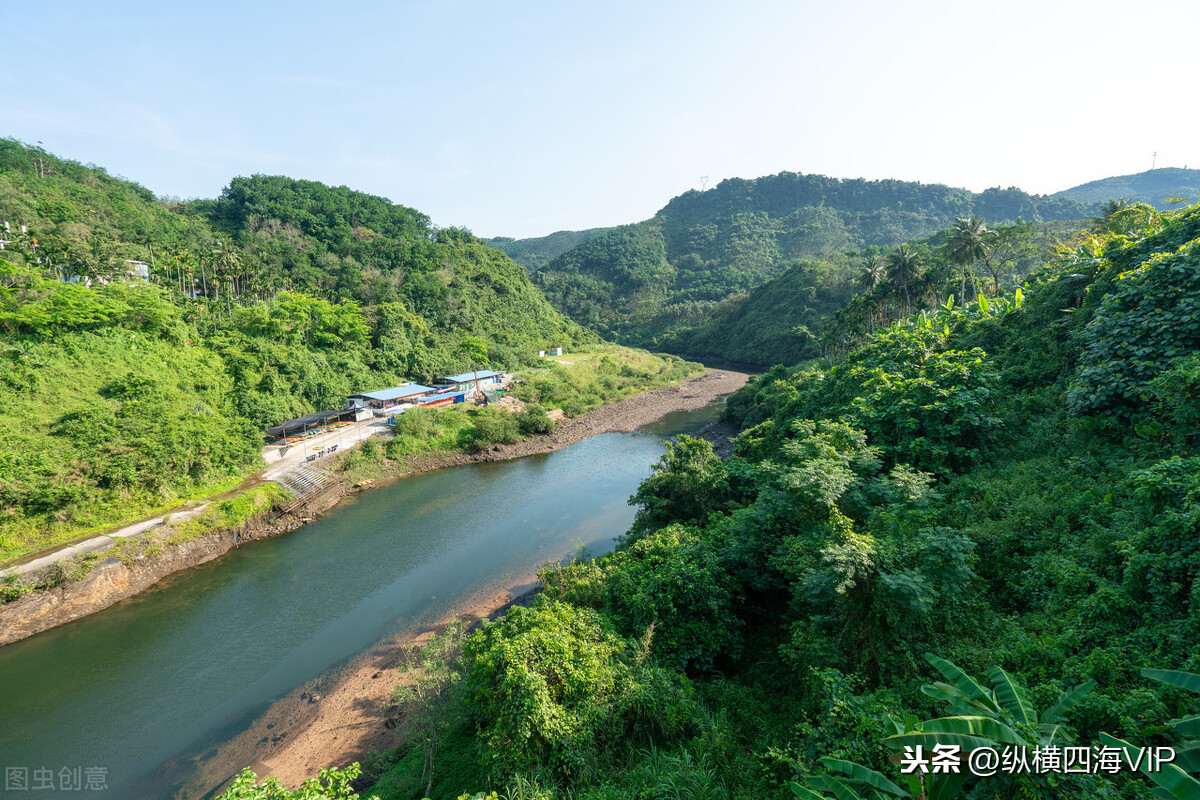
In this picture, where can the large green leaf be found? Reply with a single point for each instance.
(958, 700)
(865, 774)
(805, 794)
(928, 740)
(1176, 678)
(1187, 756)
(1048, 732)
(1066, 701)
(983, 727)
(965, 683)
(1011, 694)
(945, 787)
(1175, 781)
(1187, 726)
(830, 783)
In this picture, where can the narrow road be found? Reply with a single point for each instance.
(280, 460)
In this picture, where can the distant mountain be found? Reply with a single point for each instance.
(537, 252)
(1153, 187)
(634, 281)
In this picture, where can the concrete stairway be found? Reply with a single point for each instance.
(304, 481)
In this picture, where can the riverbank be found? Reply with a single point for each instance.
(341, 717)
(115, 580)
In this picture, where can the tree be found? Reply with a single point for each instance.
(970, 241)
(686, 485)
(429, 672)
(545, 684)
(873, 273)
(903, 267)
(1110, 209)
(226, 263)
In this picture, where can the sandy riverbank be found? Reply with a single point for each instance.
(339, 718)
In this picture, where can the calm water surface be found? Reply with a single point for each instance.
(197, 656)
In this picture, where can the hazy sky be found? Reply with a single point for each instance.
(520, 119)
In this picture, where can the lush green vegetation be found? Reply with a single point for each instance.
(535, 253)
(597, 375)
(280, 298)
(1165, 188)
(680, 279)
(975, 525)
(605, 374)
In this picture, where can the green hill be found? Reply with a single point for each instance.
(978, 526)
(635, 281)
(537, 252)
(279, 298)
(1155, 187)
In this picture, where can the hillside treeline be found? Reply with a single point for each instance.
(279, 298)
(669, 280)
(977, 525)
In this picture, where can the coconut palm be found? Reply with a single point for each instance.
(970, 241)
(1109, 210)
(873, 273)
(903, 267)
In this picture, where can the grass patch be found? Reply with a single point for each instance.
(29, 535)
(599, 376)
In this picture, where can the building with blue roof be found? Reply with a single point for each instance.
(388, 398)
(484, 377)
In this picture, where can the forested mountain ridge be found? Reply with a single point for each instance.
(1163, 188)
(636, 281)
(536, 252)
(279, 298)
(976, 525)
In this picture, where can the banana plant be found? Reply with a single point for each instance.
(851, 782)
(1173, 780)
(982, 717)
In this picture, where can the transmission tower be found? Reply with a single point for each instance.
(703, 182)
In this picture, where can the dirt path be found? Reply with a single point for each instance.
(339, 717)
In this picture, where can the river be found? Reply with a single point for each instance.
(112, 698)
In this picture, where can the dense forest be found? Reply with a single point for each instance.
(279, 298)
(975, 526)
(1164, 188)
(535, 253)
(655, 282)
(965, 509)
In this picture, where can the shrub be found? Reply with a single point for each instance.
(533, 419)
(493, 426)
(544, 683)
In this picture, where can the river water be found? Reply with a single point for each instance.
(109, 699)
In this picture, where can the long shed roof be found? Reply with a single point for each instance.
(470, 376)
(407, 390)
(307, 421)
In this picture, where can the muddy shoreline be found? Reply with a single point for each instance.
(340, 717)
(113, 580)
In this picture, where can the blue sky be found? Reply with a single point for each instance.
(521, 119)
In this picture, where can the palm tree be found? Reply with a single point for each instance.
(970, 241)
(903, 267)
(1109, 210)
(873, 273)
